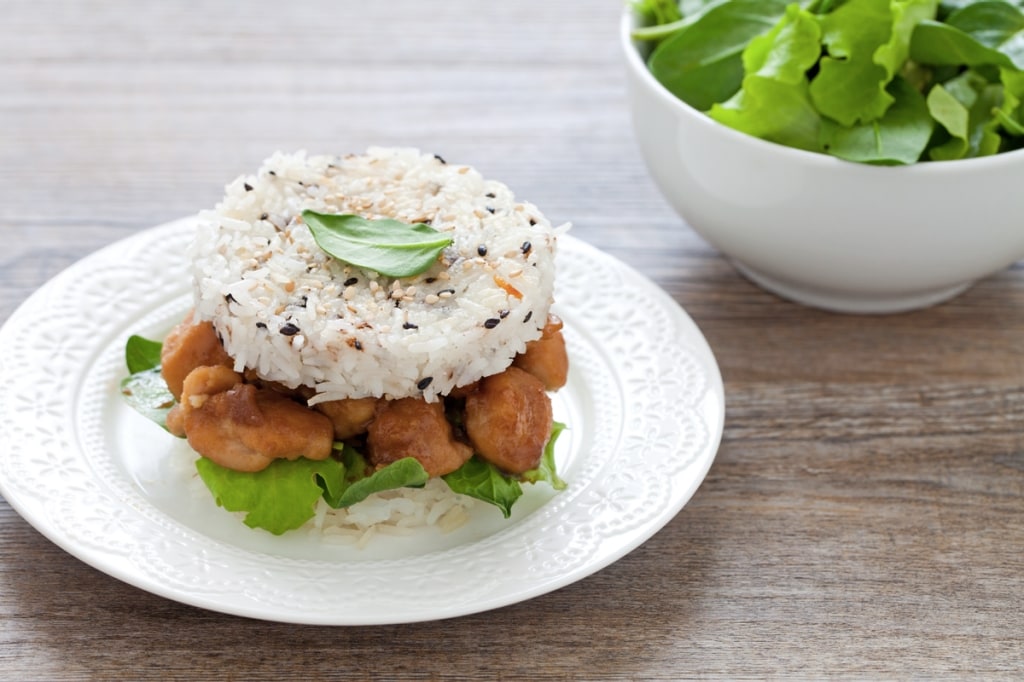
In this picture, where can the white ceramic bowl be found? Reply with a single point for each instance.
(824, 232)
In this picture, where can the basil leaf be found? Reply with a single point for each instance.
(983, 33)
(390, 247)
(279, 498)
(773, 103)
(146, 393)
(141, 354)
(702, 64)
(484, 481)
(899, 137)
(954, 116)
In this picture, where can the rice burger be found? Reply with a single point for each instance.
(388, 302)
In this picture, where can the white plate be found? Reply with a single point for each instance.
(644, 405)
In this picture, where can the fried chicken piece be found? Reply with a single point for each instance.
(508, 420)
(546, 358)
(190, 345)
(349, 417)
(412, 427)
(245, 428)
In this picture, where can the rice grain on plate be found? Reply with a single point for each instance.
(289, 311)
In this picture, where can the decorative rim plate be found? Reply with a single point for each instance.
(644, 404)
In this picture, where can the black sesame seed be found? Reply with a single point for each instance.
(430, 280)
(525, 248)
(248, 187)
(438, 157)
(351, 280)
(264, 216)
(491, 323)
(482, 250)
(490, 209)
(230, 299)
(532, 222)
(272, 172)
(503, 313)
(410, 325)
(424, 382)
(446, 291)
(261, 325)
(289, 329)
(529, 314)
(358, 345)
(491, 195)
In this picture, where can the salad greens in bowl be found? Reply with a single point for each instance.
(855, 155)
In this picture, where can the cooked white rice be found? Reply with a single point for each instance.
(287, 310)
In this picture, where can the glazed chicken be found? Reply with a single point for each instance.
(189, 346)
(349, 417)
(508, 420)
(412, 427)
(244, 423)
(245, 428)
(546, 358)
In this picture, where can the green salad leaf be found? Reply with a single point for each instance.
(144, 389)
(545, 471)
(484, 481)
(279, 498)
(390, 247)
(360, 481)
(702, 63)
(898, 137)
(872, 81)
(141, 354)
(773, 102)
(146, 393)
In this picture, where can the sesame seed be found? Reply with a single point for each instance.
(438, 157)
(525, 248)
(491, 195)
(529, 314)
(430, 280)
(503, 313)
(248, 187)
(350, 293)
(264, 216)
(351, 280)
(261, 325)
(424, 382)
(482, 250)
(289, 329)
(431, 299)
(410, 325)
(491, 323)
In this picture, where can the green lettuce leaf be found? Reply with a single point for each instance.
(141, 354)
(702, 63)
(359, 482)
(868, 41)
(146, 392)
(899, 137)
(484, 481)
(545, 471)
(954, 116)
(280, 498)
(773, 103)
(983, 33)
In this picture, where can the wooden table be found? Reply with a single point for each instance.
(864, 516)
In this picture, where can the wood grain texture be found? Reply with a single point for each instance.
(865, 514)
